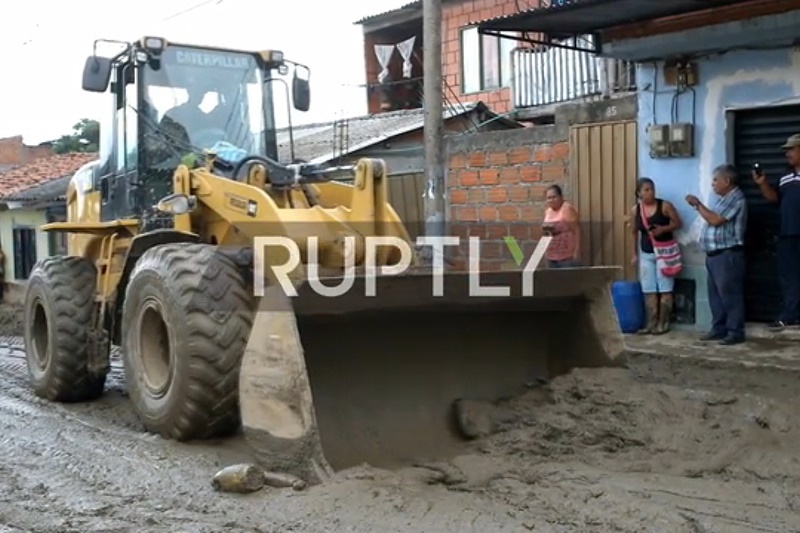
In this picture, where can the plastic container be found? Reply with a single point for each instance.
(629, 303)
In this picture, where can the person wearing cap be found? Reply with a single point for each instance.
(787, 195)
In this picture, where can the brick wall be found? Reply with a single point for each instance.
(455, 15)
(14, 152)
(496, 187)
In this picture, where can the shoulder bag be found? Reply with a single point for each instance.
(668, 253)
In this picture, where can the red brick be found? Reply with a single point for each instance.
(497, 195)
(452, 179)
(466, 213)
(459, 228)
(509, 175)
(530, 173)
(519, 193)
(496, 231)
(508, 212)
(487, 213)
(476, 230)
(477, 159)
(531, 213)
(489, 176)
(458, 161)
(468, 178)
(553, 172)
(538, 191)
(520, 231)
(560, 151)
(490, 250)
(543, 153)
(477, 196)
(458, 196)
(519, 155)
(497, 159)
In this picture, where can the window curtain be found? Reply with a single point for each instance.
(384, 54)
(406, 48)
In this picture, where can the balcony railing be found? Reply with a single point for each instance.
(549, 75)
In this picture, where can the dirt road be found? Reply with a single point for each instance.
(669, 445)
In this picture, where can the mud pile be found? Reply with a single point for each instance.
(607, 419)
(10, 319)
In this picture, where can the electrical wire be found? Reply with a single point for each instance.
(192, 8)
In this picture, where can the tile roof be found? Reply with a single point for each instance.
(55, 190)
(44, 170)
(315, 142)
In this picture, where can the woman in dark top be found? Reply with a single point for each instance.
(662, 221)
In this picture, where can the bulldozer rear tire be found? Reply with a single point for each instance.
(185, 323)
(58, 311)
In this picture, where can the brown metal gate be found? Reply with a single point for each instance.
(405, 195)
(604, 168)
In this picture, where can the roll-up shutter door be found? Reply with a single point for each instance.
(758, 136)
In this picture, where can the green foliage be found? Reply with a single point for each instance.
(85, 137)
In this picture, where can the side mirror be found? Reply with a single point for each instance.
(96, 74)
(301, 91)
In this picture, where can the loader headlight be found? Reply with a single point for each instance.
(155, 45)
(177, 204)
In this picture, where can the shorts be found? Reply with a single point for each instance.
(651, 278)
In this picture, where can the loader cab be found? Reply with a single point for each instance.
(170, 103)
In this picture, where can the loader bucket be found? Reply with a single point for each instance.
(330, 383)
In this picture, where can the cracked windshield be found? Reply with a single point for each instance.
(207, 100)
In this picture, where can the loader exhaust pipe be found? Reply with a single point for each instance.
(330, 383)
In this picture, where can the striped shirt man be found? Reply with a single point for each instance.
(733, 208)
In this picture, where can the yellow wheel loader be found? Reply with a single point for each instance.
(172, 256)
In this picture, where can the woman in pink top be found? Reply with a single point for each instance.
(561, 221)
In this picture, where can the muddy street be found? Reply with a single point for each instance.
(668, 445)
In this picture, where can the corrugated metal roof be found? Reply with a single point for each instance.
(314, 143)
(408, 6)
(567, 18)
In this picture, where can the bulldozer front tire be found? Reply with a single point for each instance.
(58, 311)
(185, 323)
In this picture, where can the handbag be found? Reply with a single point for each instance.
(668, 253)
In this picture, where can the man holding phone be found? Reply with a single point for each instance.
(787, 196)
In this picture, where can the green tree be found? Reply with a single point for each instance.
(85, 137)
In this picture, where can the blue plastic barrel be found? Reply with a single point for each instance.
(629, 303)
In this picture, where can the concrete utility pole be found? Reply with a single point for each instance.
(433, 125)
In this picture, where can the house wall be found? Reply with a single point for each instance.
(496, 181)
(373, 68)
(9, 220)
(737, 79)
(14, 152)
(458, 15)
(496, 185)
(455, 15)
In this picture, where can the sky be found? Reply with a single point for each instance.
(47, 43)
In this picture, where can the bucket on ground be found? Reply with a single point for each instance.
(629, 304)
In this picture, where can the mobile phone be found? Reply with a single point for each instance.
(757, 169)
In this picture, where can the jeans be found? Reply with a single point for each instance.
(726, 292)
(789, 272)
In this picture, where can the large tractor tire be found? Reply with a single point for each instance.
(185, 323)
(58, 312)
